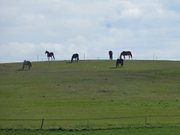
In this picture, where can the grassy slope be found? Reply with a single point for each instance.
(89, 89)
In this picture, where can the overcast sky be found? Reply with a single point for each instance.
(148, 28)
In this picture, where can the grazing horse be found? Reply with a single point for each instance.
(119, 61)
(75, 56)
(110, 55)
(26, 65)
(50, 55)
(126, 53)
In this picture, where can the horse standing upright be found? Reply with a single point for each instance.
(26, 65)
(75, 56)
(110, 55)
(50, 55)
(126, 53)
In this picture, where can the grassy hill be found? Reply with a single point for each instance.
(89, 94)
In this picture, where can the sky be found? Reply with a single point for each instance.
(150, 29)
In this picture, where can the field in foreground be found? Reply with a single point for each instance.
(138, 131)
(90, 94)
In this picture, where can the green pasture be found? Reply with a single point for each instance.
(131, 131)
(90, 95)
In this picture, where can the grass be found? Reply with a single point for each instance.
(89, 90)
(136, 131)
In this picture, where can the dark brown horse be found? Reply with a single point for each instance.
(26, 65)
(110, 55)
(119, 61)
(126, 53)
(50, 55)
(75, 56)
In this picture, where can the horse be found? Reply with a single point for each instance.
(110, 55)
(75, 56)
(126, 53)
(50, 55)
(26, 65)
(119, 61)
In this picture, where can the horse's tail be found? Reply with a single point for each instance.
(53, 56)
(30, 64)
(77, 57)
(131, 55)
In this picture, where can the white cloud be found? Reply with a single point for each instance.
(87, 27)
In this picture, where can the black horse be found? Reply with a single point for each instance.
(126, 53)
(26, 65)
(110, 55)
(50, 55)
(119, 61)
(75, 56)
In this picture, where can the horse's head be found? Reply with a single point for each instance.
(46, 52)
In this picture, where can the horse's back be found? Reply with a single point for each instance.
(126, 53)
(76, 55)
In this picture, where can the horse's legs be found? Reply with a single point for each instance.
(77, 59)
(23, 67)
(122, 63)
(116, 64)
(130, 56)
(52, 58)
(71, 59)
